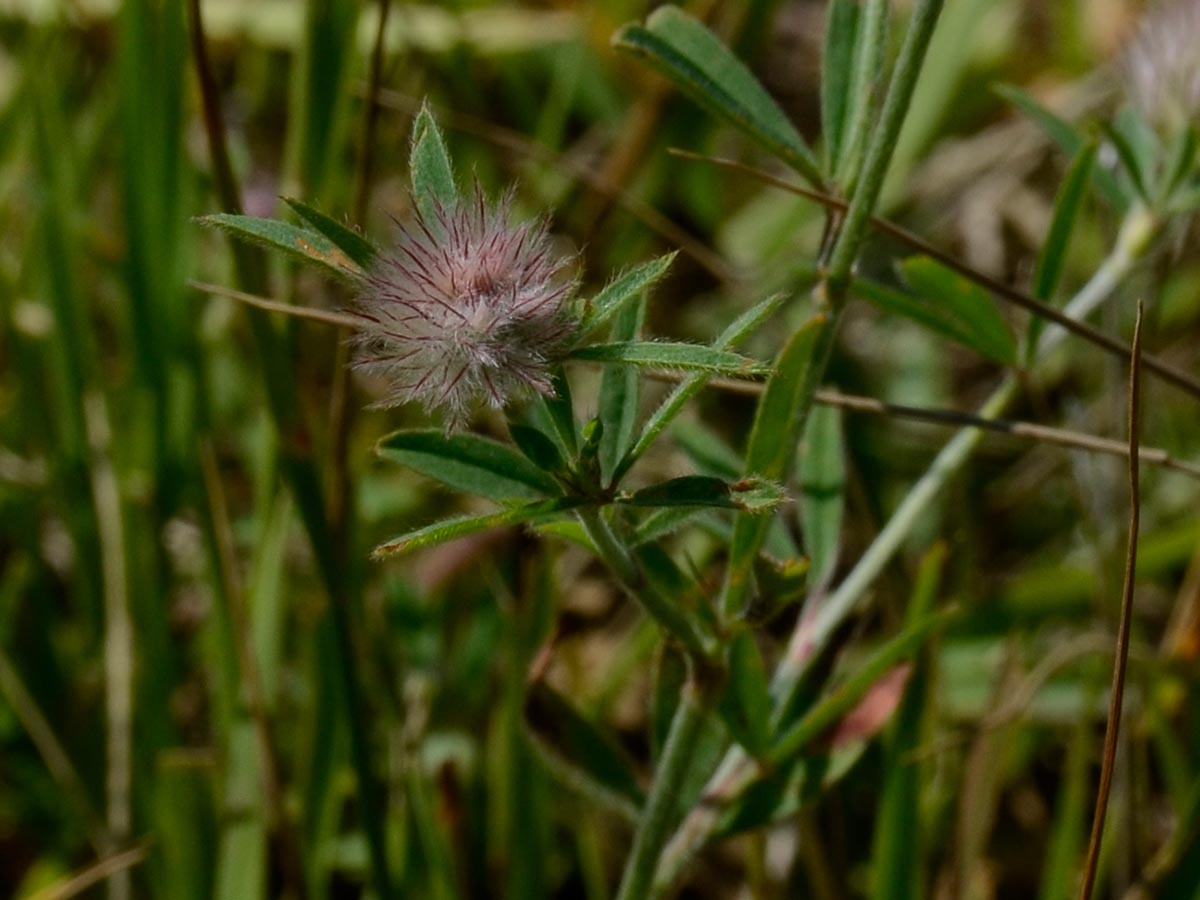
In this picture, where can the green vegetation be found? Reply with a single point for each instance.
(756, 528)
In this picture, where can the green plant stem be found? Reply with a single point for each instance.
(879, 150)
(659, 813)
(737, 770)
(686, 629)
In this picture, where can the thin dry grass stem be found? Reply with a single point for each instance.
(325, 316)
(578, 169)
(1162, 369)
(109, 866)
(250, 676)
(1112, 730)
(1043, 434)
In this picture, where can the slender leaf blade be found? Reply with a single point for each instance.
(752, 495)
(430, 168)
(672, 356)
(469, 463)
(837, 76)
(619, 396)
(981, 325)
(462, 526)
(691, 56)
(349, 241)
(300, 243)
(622, 290)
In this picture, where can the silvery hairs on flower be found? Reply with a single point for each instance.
(465, 309)
(1162, 64)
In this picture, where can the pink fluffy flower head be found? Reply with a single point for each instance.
(466, 309)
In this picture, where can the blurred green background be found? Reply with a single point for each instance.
(174, 647)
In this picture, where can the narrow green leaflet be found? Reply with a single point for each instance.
(349, 241)
(745, 706)
(469, 463)
(461, 526)
(579, 751)
(430, 169)
(622, 290)
(752, 495)
(300, 243)
(837, 76)
(965, 304)
(692, 57)
(672, 356)
(619, 396)
(772, 447)
(557, 412)
(870, 51)
(1053, 257)
(822, 491)
(739, 330)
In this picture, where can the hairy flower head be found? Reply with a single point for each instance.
(1162, 65)
(465, 309)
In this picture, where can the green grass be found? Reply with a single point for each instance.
(208, 680)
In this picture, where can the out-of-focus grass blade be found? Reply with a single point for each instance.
(430, 168)
(585, 756)
(619, 395)
(349, 241)
(692, 57)
(745, 706)
(469, 463)
(822, 491)
(1065, 849)
(241, 872)
(751, 495)
(774, 439)
(965, 303)
(672, 357)
(1067, 206)
(320, 96)
(1067, 136)
(837, 75)
(896, 871)
(623, 289)
(450, 529)
(300, 243)
(870, 47)
(739, 330)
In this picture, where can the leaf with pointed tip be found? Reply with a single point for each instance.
(752, 495)
(774, 438)
(682, 49)
(619, 396)
(349, 241)
(461, 526)
(469, 463)
(300, 243)
(430, 168)
(622, 290)
(672, 356)
(738, 330)
(1052, 260)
